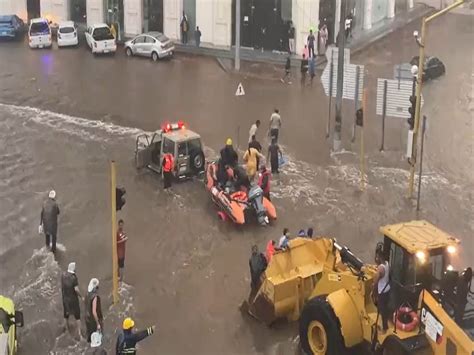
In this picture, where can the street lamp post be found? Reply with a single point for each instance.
(421, 64)
(340, 78)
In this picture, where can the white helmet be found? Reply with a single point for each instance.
(52, 194)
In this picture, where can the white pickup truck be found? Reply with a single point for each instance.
(100, 39)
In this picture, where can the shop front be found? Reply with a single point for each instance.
(265, 24)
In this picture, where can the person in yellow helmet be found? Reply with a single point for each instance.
(229, 157)
(128, 339)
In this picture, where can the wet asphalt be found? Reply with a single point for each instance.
(65, 113)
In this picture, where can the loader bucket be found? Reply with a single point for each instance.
(290, 278)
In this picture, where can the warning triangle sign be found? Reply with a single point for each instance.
(240, 90)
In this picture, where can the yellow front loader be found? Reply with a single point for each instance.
(328, 289)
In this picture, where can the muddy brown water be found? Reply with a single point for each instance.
(64, 114)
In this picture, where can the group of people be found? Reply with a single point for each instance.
(228, 168)
(71, 294)
(258, 261)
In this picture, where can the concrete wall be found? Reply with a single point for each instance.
(133, 17)
(55, 10)
(305, 15)
(96, 11)
(172, 10)
(214, 18)
(14, 7)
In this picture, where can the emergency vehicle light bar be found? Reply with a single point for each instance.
(168, 127)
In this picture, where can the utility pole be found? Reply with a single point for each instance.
(421, 66)
(423, 129)
(237, 35)
(341, 39)
(113, 205)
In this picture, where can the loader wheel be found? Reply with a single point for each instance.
(319, 327)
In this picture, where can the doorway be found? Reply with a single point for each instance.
(189, 8)
(327, 12)
(264, 23)
(33, 8)
(153, 15)
(78, 11)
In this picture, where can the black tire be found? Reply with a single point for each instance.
(198, 162)
(155, 57)
(319, 310)
(129, 52)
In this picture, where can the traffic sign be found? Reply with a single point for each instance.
(349, 80)
(402, 72)
(240, 90)
(398, 97)
(332, 52)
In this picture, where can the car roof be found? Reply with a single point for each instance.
(181, 135)
(38, 20)
(66, 24)
(418, 235)
(95, 25)
(155, 34)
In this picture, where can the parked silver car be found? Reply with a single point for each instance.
(152, 44)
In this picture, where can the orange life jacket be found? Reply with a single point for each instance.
(168, 163)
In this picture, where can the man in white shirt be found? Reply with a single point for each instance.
(253, 130)
(275, 124)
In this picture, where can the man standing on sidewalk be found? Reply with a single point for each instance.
(49, 221)
(275, 125)
(291, 38)
(121, 240)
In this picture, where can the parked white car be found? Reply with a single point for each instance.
(39, 33)
(67, 34)
(100, 39)
(154, 45)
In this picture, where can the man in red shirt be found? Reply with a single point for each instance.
(121, 240)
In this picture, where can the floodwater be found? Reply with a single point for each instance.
(65, 114)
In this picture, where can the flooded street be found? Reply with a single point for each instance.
(64, 114)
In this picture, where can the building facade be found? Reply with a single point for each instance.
(264, 23)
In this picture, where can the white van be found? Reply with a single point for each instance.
(39, 33)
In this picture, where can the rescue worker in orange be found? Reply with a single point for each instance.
(264, 179)
(168, 167)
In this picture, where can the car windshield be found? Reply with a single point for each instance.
(194, 145)
(102, 34)
(161, 37)
(39, 28)
(66, 30)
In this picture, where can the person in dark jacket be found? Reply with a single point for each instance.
(287, 71)
(71, 295)
(93, 309)
(229, 156)
(264, 179)
(128, 339)
(258, 265)
(49, 221)
(274, 153)
(304, 69)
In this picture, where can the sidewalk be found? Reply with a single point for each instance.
(225, 56)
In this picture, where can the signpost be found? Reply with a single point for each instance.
(396, 99)
(350, 80)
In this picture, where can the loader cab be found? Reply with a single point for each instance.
(184, 144)
(419, 256)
